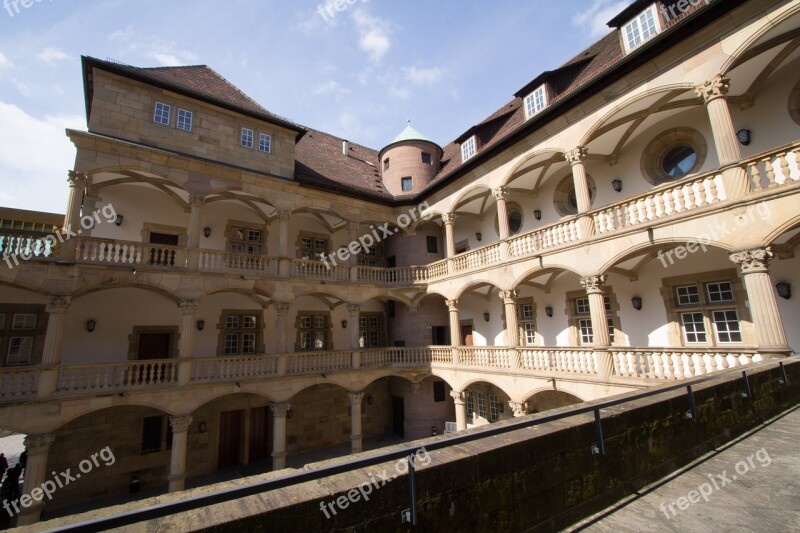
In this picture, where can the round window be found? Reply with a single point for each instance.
(565, 199)
(514, 222)
(572, 200)
(679, 161)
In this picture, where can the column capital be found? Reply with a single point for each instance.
(500, 193)
(752, 261)
(188, 307)
(452, 305)
(448, 218)
(458, 396)
(282, 308)
(77, 179)
(352, 227)
(353, 310)
(196, 200)
(279, 409)
(576, 155)
(180, 424)
(36, 444)
(519, 408)
(356, 397)
(508, 297)
(283, 214)
(416, 388)
(593, 284)
(716, 87)
(58, 305)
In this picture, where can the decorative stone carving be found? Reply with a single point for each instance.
(576, 155)
(354, 310)
(77, 179)
(751, 261)
(449, 218)
(593, 284)
(500, 193)
(452, 305)
(189, 307)
(58, 305)
(279, 409)
(283, 214)
(356, 397)
(508, 296)
(717, 87)
(519, 408)
(36, 444)
(180, 424)
(458, 397)
(282, 309)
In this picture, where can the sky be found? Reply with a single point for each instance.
(359, 73)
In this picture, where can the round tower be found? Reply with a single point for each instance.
(409, 162)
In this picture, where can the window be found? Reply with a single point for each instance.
(24, 321)
(386, 164)
(439, 391)
(642, 28)
(426, 158)
(19, 351)
(433, 244)
(247, 138)
(726, 326)
(312, 331)
(580, 316)
(526, 321)
(405, 184)
(565, 199)
(673, 154)
(687, 295)
(22, 330)
(265, 143)
(535, 102)
(370, 332)
(184, 120)
(468, 148)
(470, 404)
(371, 257)
(494, 408)
(719, 292)
(694, 328)
(313, 246)
(240, 332)
(245, 240)
(514, 222)
(161, 115)
(152, 432)
(679, 161)
(481, 405)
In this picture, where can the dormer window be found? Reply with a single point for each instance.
(468, 148)
(535, 102)
(644, 27)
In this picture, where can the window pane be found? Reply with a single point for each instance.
(494, 412)
(305, 322)
(232, 322)
(249, 322)
(249, 343)
(237, 234)
(231, 343)
(264, 143)
(726, 324)
(585, 328)
(319, 340)
(433, 244)
(426, 158)
(237, 247)
(184, 120)
(687, 295)
(530, 333)
(19, 350)
(582, 306)
(24, 321)
(470, 404)
(719, 292)
(161, 115)
(439, 391)
(694, 328)
(319, 321)
(481, 405)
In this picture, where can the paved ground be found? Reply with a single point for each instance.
(751, 484)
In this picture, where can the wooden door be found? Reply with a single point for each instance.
(466, 335)
(259, 433)
(230, 435)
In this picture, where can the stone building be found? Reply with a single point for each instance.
(244, 288)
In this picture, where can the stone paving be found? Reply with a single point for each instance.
(750, 484)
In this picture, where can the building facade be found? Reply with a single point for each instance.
(229, 286)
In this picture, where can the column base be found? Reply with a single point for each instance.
(278, 460)
(356, 444)
(605, 364)
(176, 482)
(31, 515)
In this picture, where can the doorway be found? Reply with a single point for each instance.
(230, 438)
(259, 433)
(440, 336)
(466, 335)
(398, 417)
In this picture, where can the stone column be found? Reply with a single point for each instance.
(461, 409)
(38, 447)
(597, 308)
(279, 434)
(356, 438)
(455, 323)
(283, 242)
(177, 464)
(512, 328)
(519, 409)
(186, 340)
(354, 311)
(53, 344)
(754, 265)
(576, 159)
(450, 240)
(714, 94)
(72, 218)
(193, 241)
(282, 336)
(501, 195)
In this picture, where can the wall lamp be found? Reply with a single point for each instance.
(207, 232)
(370, 399)
(744, 136)
(201, 324)
(344, 324)
(617, 185)
(784, 290)
(637, 303)
(90, 325)
(549, 311)
(201, 427)
(289, 413)
(486, 317)
(118, 220)
(537, 214)
(479, 236)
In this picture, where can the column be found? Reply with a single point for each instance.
(282, 336)
(450, 240)
(279, 434)
(193, 242)
(354, 325)
(519, 409)
(714, 94)
(72, 218)
(512, 329)
(53, 344)
(575, 158)
(186, 340)
(597, 308)
(501, 194)
(38, 447)
(283, 242)
(177, 464)
(455, 323)
(754, 265)
(461, 409)
(356, 438)
(352, 236)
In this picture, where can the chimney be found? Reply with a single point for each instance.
(346, 148)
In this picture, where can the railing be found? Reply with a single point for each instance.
(18, 382)
(395, 357)
(677, 364)
(389, 276)
(28, 244)
(111, 252)
(305, 268)
(214, 369)
(437, 269)
(313, 362)
(774, 169)
(133, 374)
(215, 261)
(441, 354)
(487, 255)
(483, 356)
(567, 360)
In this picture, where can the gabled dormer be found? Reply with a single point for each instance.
(644, 19)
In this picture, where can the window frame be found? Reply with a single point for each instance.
(261, 137)
(156, 113)
(249, 135)
(536, 101)
(406, 180)
(185, 112)
(231, 242)
(637, 20)
(227, 329)
(469, 148)
(32, 334)
(313, 329)
(371, 327)
(580, 318)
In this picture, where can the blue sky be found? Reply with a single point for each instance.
(360, 74)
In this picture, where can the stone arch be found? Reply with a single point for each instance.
(547, 399)
(173, 190)
(655, 245)
(536, 271)
(150, 287)
(741, 52)
(515, 171)
(464, 289)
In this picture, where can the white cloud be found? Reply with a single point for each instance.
(373, 34)
(32, 177)
(595, 18)
(331, 86)
(164, 53)
(423, 76)
(51, 55)
(401, 93)
(5, 62)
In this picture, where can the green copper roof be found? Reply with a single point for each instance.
(410, 134)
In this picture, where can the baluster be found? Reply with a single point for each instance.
(755, 177)
(771, 182)
(784, 163)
